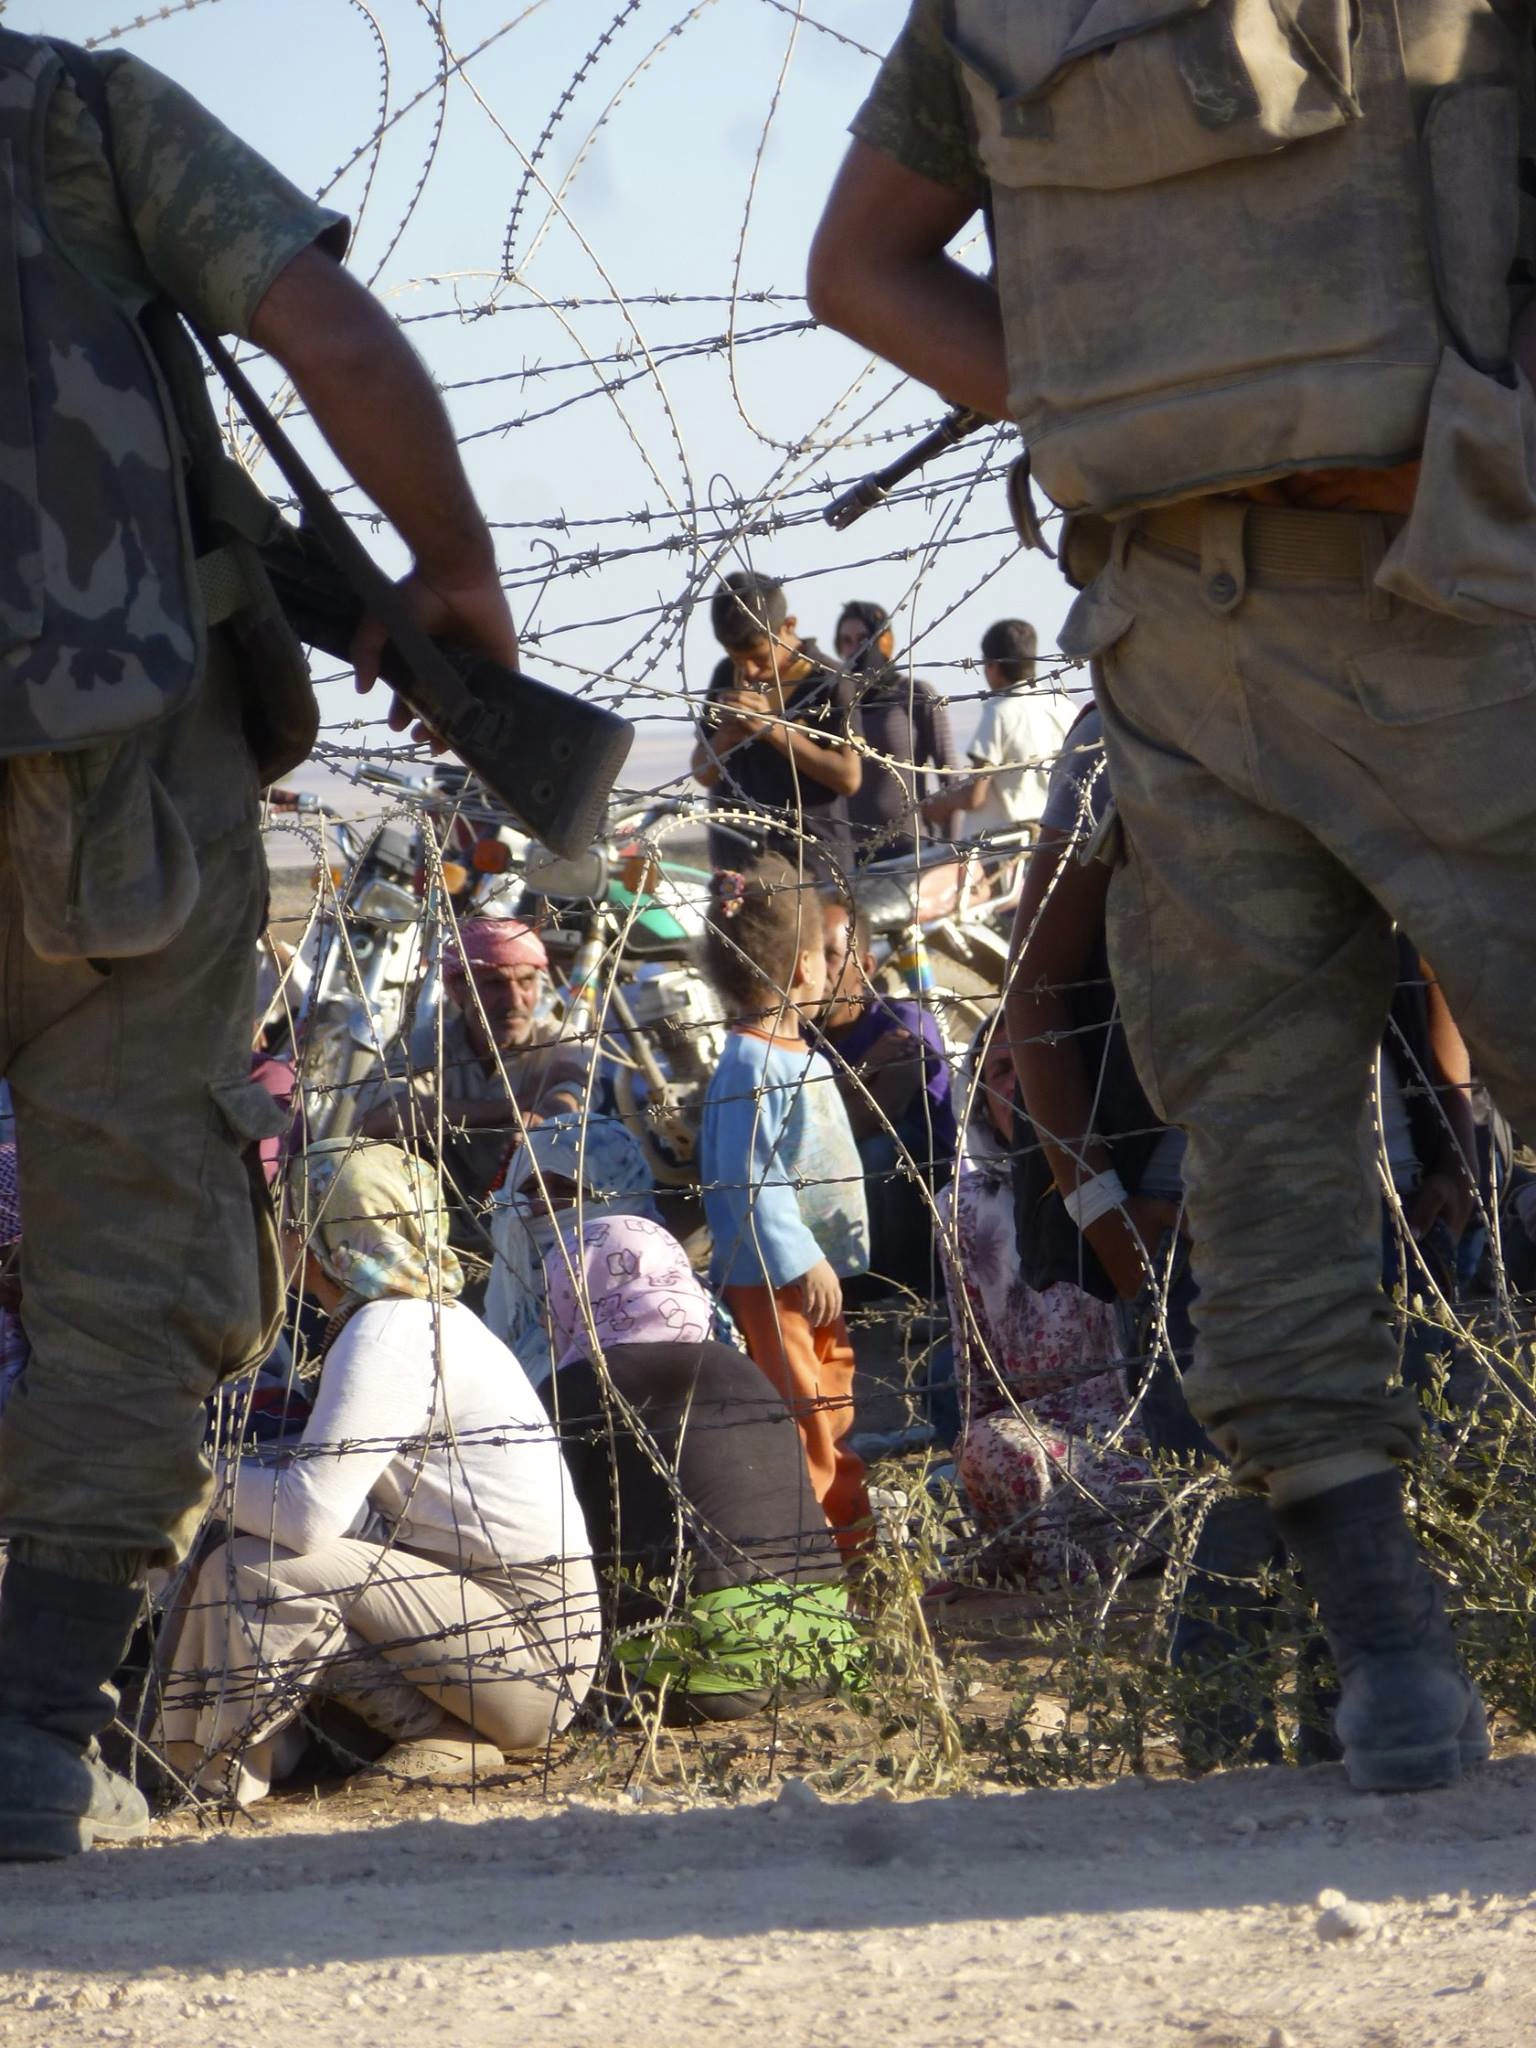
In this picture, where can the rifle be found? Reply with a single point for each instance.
(873, 490)
(552, 759)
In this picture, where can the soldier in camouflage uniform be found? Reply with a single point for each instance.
(149, 1264)
(1256, 309)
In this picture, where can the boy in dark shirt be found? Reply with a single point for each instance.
(776, 734)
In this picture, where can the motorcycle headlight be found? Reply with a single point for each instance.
(381, 902)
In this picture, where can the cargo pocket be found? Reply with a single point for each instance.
(1469, 543)
(1417, 683)
(249, 1114)
(104, 865)
(1129, 92)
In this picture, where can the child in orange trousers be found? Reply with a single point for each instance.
(813, 1370)
(783, 1182)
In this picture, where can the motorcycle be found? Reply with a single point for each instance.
(368, 972)
(939, 920)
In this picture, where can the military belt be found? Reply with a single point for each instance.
(1280, 544)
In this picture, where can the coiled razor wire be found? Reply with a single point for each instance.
(610, 589)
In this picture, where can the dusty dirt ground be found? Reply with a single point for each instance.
(1205, 1914)
(1253, 1909)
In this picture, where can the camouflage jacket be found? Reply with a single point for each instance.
(102, 629)
(180, 212)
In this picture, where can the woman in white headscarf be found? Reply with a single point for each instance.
(567, 1171)
(421, 1556)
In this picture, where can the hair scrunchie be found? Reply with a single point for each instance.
(730, 891)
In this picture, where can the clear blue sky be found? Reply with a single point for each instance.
(659, 205)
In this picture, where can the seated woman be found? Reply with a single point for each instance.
(593, 1164)
(1048, 1453)
(421, 1555)
(723, 1580)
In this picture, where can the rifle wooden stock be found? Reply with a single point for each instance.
(551, 759)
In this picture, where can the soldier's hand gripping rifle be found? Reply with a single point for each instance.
(551, 759)
(874, 490)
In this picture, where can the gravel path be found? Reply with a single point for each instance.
(1252, 1910)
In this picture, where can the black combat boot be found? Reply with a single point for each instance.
(1408, 1717)
(61, 1639)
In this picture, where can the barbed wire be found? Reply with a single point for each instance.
(1050, 1477)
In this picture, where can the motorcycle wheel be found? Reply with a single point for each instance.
(673, 1161)
(961, 1000)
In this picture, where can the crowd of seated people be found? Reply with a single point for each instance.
(556, 1459)
(457, 1562)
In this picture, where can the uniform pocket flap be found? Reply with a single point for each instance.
(1415, 683)
(1123, 93)
(250, 1112)
(1095, 622)
(1039, 43)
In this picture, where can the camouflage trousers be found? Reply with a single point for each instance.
(149, 1259)
(1298, 761)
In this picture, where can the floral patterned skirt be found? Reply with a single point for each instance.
(1058, 1504)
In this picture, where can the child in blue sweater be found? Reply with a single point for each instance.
(783, 1183)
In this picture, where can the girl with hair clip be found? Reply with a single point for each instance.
(783, 1183)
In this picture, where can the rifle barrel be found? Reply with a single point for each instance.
(870, 491)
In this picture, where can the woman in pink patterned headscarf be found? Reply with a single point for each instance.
(632, 1279)
(723, 1581)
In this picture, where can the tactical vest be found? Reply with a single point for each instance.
(101, 628)
(113, 474)
(1234, 238)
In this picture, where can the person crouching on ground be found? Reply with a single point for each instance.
(783, 1182)
(1050, 1453)
(422, 1556)
(724, 1580)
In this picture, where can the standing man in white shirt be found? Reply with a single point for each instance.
(1022, 730)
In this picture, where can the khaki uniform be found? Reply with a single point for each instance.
(147, 1256)
(1298, 757)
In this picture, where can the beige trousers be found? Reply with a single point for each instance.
(513, 1656)
(149, 1263)
(1298, 761)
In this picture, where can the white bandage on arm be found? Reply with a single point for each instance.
(1091, 1199)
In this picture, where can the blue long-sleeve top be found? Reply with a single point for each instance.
(783, 1182)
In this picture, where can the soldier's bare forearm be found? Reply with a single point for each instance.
(372, 398)
(879, 273)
